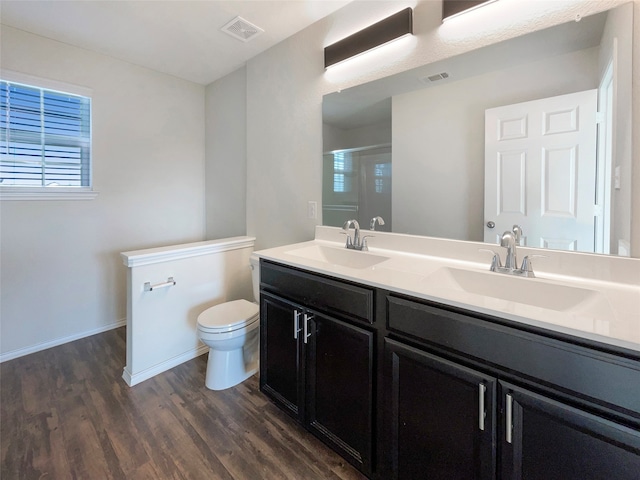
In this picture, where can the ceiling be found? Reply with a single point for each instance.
(179, 37)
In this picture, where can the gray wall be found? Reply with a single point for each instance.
(340, 139)
(622, 123)
(226, 156)
(62, 276)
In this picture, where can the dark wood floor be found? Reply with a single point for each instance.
(66, 413)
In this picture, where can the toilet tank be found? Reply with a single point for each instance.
(254, 261)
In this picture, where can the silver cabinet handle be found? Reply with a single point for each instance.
(491, 224)
(307, 317)
(296, 323)
(481, 411)
(509, 419)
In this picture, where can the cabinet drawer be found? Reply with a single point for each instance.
(604, 378)
(321, 293)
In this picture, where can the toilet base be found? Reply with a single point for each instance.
(227, 368)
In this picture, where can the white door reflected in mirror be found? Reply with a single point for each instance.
(537, 153)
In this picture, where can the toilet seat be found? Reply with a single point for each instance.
(228, 316)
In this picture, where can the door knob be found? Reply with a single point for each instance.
(491, 224)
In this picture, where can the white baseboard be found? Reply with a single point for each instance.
(21, 352)
(161, 367)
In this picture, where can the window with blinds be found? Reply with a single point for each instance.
(45, 137)
(342, 172)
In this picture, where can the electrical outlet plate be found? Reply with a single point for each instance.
(312, 209)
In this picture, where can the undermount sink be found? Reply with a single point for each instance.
(528, 291)
(338, 256)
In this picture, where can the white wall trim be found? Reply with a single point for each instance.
(21, 352)
(47, 193)
(148, 256)
(49, 84)
(132, 380)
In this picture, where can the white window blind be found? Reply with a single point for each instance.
(382, 174)
(45, 137)
(343, 171)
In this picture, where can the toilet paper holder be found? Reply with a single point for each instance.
(169, 283)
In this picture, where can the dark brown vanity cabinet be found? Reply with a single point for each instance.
(468, 398)
(317, 357)
(429, 391)
(550, 439)
(282, 359)
(440, 417)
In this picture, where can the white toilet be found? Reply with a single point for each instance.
(231, 331)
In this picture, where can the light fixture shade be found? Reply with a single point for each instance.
(454, 7)
(373, 36)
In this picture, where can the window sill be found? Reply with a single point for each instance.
(46, 193)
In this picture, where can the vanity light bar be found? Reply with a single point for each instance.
(452, 8)
(376, 35)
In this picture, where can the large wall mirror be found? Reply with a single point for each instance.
(534, 131)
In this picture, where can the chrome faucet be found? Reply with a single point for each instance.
(379, 220)
(356, 243)
(509, 241)
(517, 232)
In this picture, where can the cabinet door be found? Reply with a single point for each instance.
(543, 439)
(340, 387)
(281, 354)
(438, 417)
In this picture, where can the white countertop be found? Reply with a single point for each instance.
(610, 316)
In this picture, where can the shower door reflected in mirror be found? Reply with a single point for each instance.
(357, 185)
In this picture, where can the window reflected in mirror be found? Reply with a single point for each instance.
(357, 185)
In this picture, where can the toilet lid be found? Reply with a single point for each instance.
(228, 316)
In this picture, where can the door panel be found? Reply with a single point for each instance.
(432, 417)
(281, 375)
(551, 440)
(537, 154)
(559, 172)
(340, 388)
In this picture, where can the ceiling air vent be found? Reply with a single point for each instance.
(241, 29)
(434, 78)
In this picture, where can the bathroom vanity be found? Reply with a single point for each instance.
(317, 356)
(411, 366)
